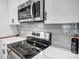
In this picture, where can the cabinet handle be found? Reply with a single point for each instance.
(3, 51)
(12, 20)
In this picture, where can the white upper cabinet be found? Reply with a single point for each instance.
(13, 11)
(62, 11)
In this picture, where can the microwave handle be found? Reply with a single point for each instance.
(31, 10)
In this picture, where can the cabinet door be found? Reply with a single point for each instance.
(13, 12)
(62, 11)
(3, 50)
(0, 50)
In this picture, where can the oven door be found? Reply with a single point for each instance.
(12, 55)
(38, 10)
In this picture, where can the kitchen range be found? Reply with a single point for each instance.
(32, 46)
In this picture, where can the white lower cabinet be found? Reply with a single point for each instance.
(3, 50)
(0, 50)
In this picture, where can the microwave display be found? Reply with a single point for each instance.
(24, 13)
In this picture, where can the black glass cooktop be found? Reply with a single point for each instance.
(29, 48)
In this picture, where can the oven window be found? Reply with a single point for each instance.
(24, 13)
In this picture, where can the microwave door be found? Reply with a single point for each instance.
(33, 11)
(36, 11)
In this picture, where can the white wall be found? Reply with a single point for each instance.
(5, 29)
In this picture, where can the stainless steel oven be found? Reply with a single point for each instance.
(13, 55)
(32, 10)
(27, 49)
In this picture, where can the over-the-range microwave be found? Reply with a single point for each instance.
(32, 10)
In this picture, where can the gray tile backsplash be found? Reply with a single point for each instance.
(61, 34)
